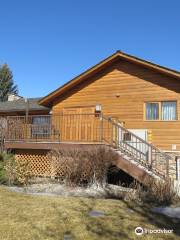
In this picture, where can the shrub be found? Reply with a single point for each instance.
(3, 178)
(79, 167)
(17, 172)
(162, 192)
(10, 169)
(4, 159)
(158, 192)
(23, 173)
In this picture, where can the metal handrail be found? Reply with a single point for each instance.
(129, 147)
(134, 135)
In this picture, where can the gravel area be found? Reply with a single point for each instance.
(54, 189)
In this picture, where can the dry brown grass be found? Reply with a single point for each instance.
(25, 217)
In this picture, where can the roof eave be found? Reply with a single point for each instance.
(47, 100)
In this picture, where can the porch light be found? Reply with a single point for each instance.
(98, 107)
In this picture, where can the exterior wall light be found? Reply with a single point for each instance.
(98, 107)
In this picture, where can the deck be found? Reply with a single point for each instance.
(49, 145)
(50, 131)
(34, 133)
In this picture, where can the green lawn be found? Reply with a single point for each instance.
(25, 217)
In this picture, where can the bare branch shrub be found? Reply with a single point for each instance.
(162, 192)
(158, 192)
(78, 167)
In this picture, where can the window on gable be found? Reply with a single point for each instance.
(165, 111)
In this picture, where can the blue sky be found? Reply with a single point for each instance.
(48, 42)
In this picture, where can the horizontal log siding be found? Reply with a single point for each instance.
(135, 85)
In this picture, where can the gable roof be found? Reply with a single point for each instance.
(21, 105)
(47, 100)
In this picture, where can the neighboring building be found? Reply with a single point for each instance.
(19, 106)
(120, 90)
(13, 97)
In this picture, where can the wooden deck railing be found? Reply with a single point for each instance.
(68, 127)
(88, 128)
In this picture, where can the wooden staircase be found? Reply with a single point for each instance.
(137, 157)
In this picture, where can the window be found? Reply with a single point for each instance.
(152, 111)
(41, 120)
(165, 111)
(168, 111)
(41, 126)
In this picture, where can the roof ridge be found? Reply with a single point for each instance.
(155, 64)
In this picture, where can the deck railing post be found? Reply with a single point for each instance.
(7, 130)
(150, 156)
(178, 168)
(112, 134)
(167, 167)
(101, 118)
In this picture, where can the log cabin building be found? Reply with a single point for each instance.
(127, 103)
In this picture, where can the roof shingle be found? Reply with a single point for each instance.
(21, 105)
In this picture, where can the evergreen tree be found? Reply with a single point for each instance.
(7, 85)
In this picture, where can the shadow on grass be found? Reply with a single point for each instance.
(94, 228)
(159, 221)
(99, 227)
(59, 229)
(115, 226)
